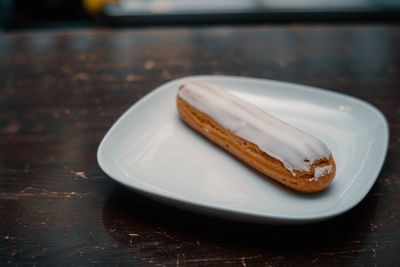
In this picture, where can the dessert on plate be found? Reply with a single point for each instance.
(273, 147)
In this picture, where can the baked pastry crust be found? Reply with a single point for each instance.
(250, 153)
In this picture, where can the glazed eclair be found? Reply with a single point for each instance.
(273, 147)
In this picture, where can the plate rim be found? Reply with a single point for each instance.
(247, 216)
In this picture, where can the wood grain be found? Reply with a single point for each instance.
(60, 91)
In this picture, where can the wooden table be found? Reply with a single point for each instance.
(60, 91)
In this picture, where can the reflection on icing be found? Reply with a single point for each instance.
(321, 171)
(273, 136)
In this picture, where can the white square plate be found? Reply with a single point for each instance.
(151, 151)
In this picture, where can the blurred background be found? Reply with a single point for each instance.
(25, 14)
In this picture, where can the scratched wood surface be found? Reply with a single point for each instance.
(60, 91)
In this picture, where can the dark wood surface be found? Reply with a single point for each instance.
(60, 91)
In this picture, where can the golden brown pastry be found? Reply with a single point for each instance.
(273, 147)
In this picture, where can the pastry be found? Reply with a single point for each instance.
(273, 147)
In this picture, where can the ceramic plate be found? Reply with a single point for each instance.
(151, 151)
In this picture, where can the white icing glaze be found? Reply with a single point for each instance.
(321, 171)
(276, 138)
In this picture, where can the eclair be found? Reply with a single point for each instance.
(278, 150)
